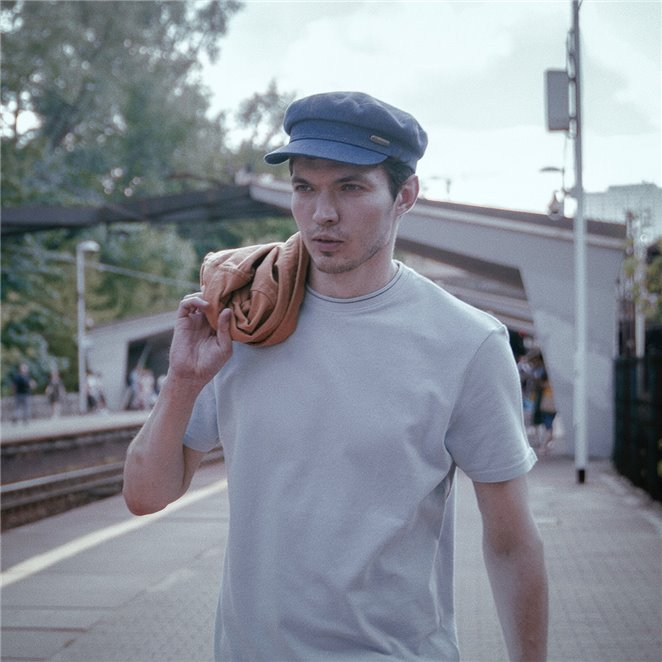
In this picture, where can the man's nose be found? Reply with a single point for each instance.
(325, 211)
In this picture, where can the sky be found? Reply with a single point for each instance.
(472, 73)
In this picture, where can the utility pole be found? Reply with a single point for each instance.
(81, 249)
(564, 113)
(579, 228)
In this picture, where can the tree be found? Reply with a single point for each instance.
(260, 118)
(82, 80)
(653, 284)
(99, 101)
(640, 291)
(30, 289)
(39, 290)
(258, 121)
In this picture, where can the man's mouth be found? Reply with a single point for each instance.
(327, 243)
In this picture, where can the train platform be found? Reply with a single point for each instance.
(44, 428)
(99, 585)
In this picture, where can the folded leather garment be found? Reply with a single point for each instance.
(262, 285)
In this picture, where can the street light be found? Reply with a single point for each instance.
(564, 114)
(579, 232)
(561, 171)
(81, 249)
(556, 207)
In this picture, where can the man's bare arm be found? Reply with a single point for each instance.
(515, 563)
(158, 468)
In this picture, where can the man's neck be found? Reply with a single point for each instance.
(352, 283)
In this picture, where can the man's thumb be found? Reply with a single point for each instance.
(224, 318)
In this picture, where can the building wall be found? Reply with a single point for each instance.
(643, 200)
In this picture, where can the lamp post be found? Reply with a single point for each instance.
(579, 228)
(81, 249)
(561, 171)
(556, 207)
(564, 114)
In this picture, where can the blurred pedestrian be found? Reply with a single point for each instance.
(531, 369)
(96, 400)
(546, 415)
(22, 387)
(146, 388)
(55, 393)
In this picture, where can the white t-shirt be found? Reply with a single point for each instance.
(341, 445)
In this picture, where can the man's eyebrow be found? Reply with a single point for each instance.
(359, 176)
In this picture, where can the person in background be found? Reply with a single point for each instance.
(96, 398)
(531, 370)
(22, 387)
(546, 415)
(342, 439)
(55, 393)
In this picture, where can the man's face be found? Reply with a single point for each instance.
(347, 219)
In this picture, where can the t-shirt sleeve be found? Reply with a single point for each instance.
(486, 435)
(202, 430)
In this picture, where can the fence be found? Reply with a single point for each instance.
(638, 424)
(40, 407)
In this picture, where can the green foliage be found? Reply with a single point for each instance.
(102, 102)
(654, 285)
(643, 283)
(160, 252)
(217, 236)
(39, 314)
(104, 99)
(261, 118)
(99, 102)
(35, 313)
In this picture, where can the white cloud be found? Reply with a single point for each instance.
(472, 73)
(622, 72)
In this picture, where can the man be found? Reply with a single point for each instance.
(22, 386)
(341, 441)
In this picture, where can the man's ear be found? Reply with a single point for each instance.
(407, 195)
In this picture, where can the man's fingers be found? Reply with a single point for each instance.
(223, 337)
(223, 325)
(224, 318)
(192, 304)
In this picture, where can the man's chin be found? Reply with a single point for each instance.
(330, 264)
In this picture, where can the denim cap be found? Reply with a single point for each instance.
(350, 127)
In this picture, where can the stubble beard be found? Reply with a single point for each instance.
(333, 267)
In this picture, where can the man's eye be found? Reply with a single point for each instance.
(351, 187)
(301, 188)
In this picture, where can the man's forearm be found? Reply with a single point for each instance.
(519, 584)
(156, 471)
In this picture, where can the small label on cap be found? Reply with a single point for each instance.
(380, 141)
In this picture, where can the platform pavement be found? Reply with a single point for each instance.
(40, 428)
(150, 593)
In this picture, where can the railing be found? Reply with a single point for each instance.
(638, 425)
(33, 499)
(39, 406)
(63, 464)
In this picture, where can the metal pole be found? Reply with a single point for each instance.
(81, 249)
(80, 293)
(640, 284)
(580, 402)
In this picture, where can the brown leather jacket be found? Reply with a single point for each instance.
(263, 285)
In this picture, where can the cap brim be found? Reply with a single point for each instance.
(326, 149)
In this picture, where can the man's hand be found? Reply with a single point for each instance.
(158, 469)
(198, 352)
